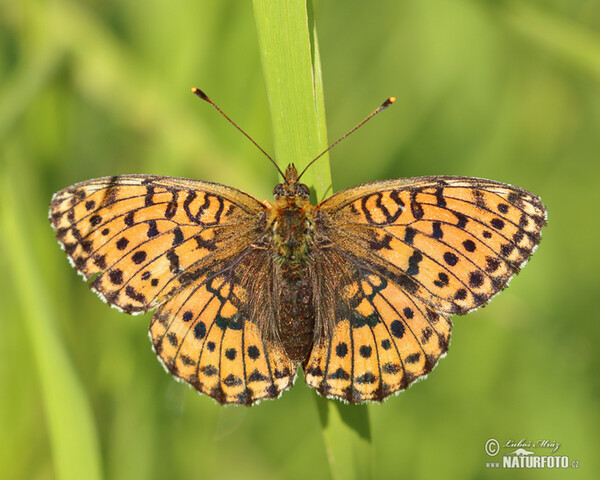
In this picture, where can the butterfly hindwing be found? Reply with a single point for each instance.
(384, 340)
(453, 242)
(143, 237)
(205, 336)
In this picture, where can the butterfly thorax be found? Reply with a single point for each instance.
(291, 223)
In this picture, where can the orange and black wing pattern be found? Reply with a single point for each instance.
(384, 339)
(391, 261)
(452, 242)
(183, 247)
(419, 249)
(208, 335)
(143, 237)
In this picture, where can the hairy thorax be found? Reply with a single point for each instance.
(291, 222)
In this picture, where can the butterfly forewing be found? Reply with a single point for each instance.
(453, 242)
(144, 237)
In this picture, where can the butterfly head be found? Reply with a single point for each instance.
(291, 188)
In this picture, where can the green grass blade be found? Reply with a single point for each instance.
(294, 88)
(292, 70)
(71, 428)
(347, 433)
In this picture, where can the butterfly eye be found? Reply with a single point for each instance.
(278, 191)
(303, 190)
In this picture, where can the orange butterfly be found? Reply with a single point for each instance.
(357, 289)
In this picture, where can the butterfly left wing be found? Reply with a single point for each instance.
(384, 340)
(185, 247)
(452, 242)
(210, 334)
(143, 237)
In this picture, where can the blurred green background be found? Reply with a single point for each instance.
(495, 89)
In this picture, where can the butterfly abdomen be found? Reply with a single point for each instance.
(296, 319)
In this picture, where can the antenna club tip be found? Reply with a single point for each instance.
(388, 102)
(199, 93)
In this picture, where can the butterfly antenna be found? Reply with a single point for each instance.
(381, 108)
(199, 93)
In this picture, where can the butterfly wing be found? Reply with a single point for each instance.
(452, 242)
(145, 237)
(414, 251)
(185, 247)
(209, 335)
(384, 340)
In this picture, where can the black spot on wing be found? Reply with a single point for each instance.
(173, 259)
(413, 263)
(415, 207)
(409, 235)
(177, 236)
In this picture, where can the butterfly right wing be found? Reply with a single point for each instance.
(453, 242)
(383, 341)
(413, 251)
(144, 237)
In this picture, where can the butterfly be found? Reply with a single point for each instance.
(356, 290)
